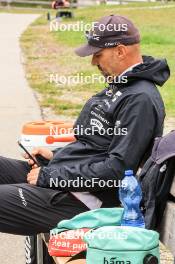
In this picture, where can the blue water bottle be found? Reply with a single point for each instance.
(130, 195)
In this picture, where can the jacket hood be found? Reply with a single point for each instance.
(154, 70)
(164, 148)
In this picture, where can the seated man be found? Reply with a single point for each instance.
(60, 3)
(119, 126)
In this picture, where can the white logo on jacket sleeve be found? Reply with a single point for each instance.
(96, 123)
(117, 123)
(116, 95)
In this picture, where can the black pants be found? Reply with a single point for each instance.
(26, 209)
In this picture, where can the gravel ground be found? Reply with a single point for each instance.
(166, 256)
(15, 110)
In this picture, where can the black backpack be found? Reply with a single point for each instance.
(156, 178)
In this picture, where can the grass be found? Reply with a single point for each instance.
(49, 52)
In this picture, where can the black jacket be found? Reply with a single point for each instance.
(135, 106)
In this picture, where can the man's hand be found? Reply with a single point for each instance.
(46, 153)
(32, 176)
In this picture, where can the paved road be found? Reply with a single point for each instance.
(17, 106)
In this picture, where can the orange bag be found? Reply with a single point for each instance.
(67, 243)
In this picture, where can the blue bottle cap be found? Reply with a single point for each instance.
(129, 173)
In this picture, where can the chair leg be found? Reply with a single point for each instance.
(39, 249)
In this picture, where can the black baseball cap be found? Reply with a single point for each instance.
(108, 32)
